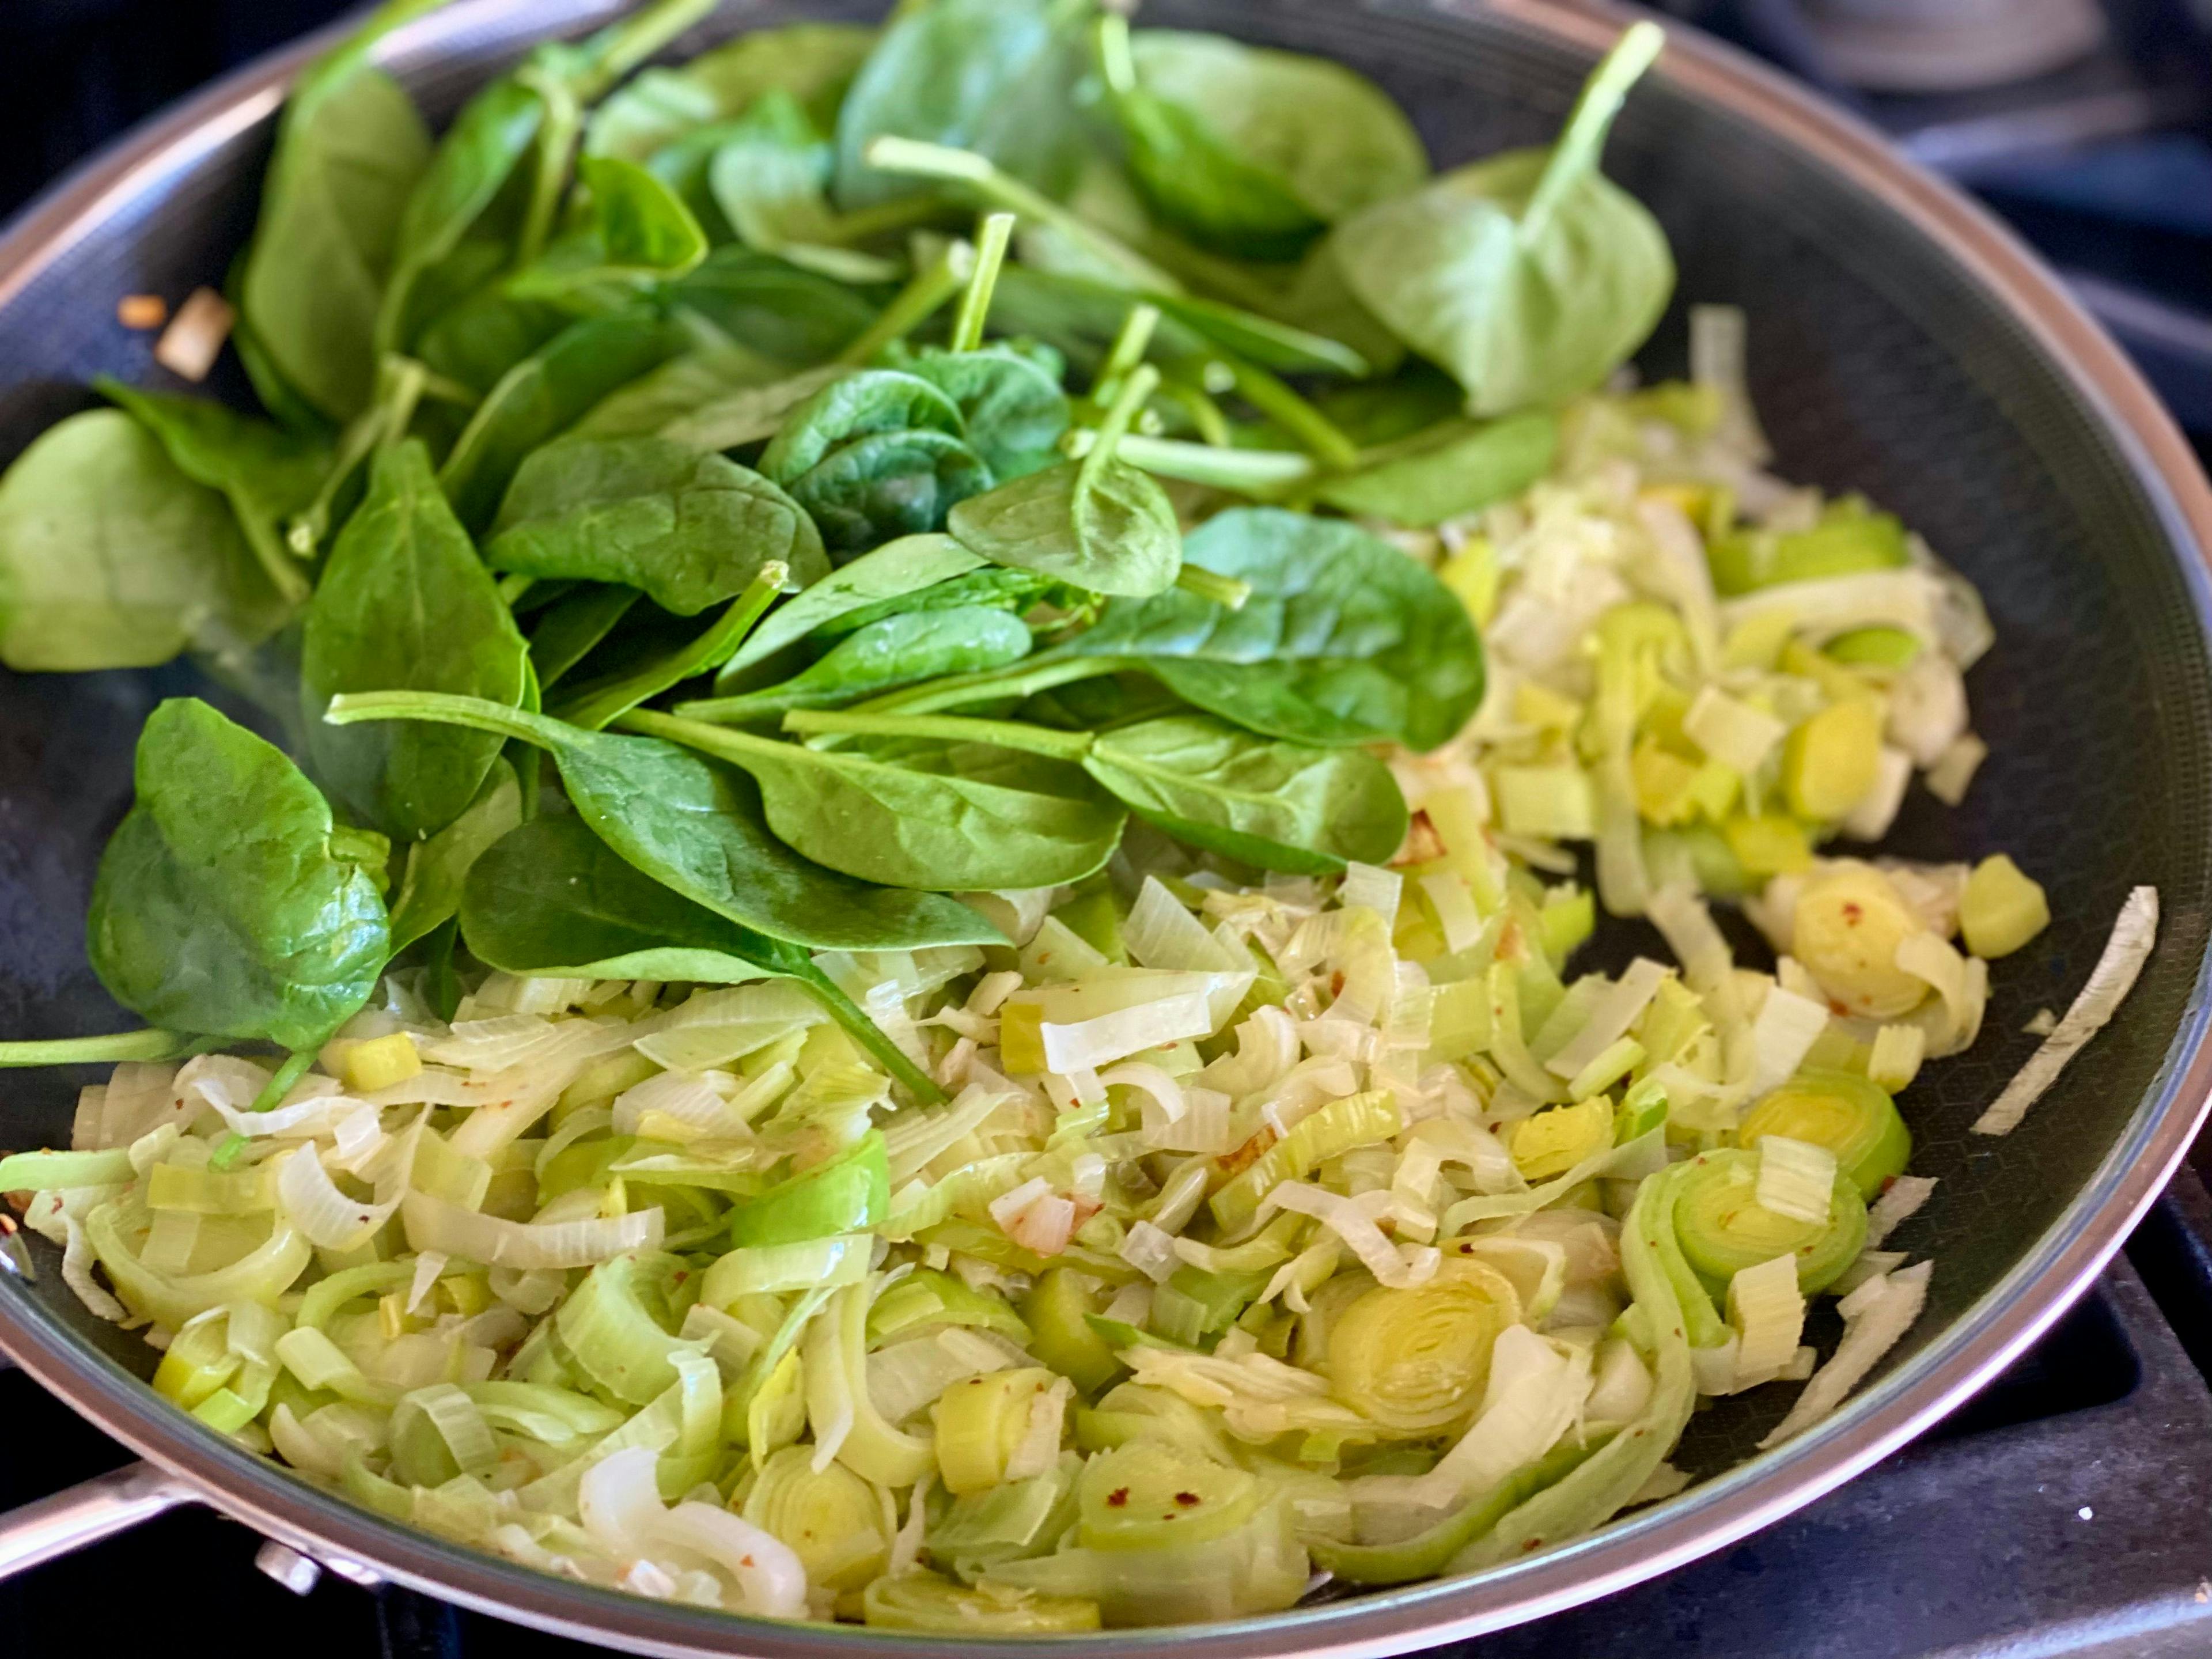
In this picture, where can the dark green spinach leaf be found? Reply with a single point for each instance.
(1250, 151)
(690, 530)
(349, 151)
(431, 890)
(552, 898)
(1097, 524)
(1012, 409)
(812, 63)
(405, 604)
(898, 650)
(891, 574)
(948, 831)
(544, 396)
(798, 317)
(874, 456)
(768, 174)
(223, 906)
(995, 76)
(1344, 640)
(581, 618)
(1265, 802)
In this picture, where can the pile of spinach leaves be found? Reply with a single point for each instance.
(697, 544)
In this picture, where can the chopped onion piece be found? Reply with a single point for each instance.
(1796, 1178)
(1369, 887)
(1620, 1007)
(1901, 1200)
(1768, 1311)
(1875, 1316)
(435, 1225)
(1783, 1034)
(2110, 981)
(1151, 1251)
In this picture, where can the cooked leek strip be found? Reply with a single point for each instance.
(32, 1172)
(925, 1603)
(1418, 1360)
(849, 1194)
(1853, 1117)
(618, 1325)
(829, 1517)
(982, 1422)
(837, 1403)
(1361, 1120)
(1724, 1228)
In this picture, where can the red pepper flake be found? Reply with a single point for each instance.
(1117, 1498)
(1188, 1499)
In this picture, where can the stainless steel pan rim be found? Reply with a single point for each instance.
(200, 1465)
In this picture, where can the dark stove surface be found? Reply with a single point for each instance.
(2065, 1514)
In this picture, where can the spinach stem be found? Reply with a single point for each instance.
(870, 1035)
(1025, 680)
(593, 707)
(1129, 401)
(913, 305)
(1004, 734)
(152, 1043)
(990, 259)
(512, 588)
(635, 38)
(1272, 397)
(1259, 472)
(960, 166)
(1207, 585)
(1129, 347)
(1575, 156)
(279, 1082)
(443, 709)
(845, 228)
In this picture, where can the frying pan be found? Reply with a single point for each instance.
(1902, 344)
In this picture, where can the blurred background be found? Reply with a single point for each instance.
(2087, 124)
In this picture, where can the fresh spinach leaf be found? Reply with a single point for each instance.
(947, 832)
(798, 317)
(487, 200)
(813, 62)
(1012, 408)
(552, 898)
(1529, 276)
(889, 574)
(993, 588)
(581, 618)
(690, 530)
(874, 456)
(995, 76)
(899, 650)
(1460, 467)
(638, 234)
(1250, 151)
(665, 402)
(1097, 524)
(768, 174)
(266, 473)
(544, 396)
(223, 904)
(1344, 640)
(430, 890)
(349, 151)
(405, 604)
(696, 825)
(1276, 805)
(111, 557)
(593, 705)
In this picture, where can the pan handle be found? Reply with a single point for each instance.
(104, 1505)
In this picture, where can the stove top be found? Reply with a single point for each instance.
(2066, 1513)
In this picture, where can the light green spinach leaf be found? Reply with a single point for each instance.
(1529, 276)
(1457, 468)
(430, 890)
